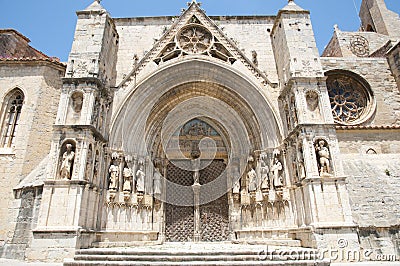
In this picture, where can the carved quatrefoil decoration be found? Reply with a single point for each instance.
(195, 39)
(359, 46)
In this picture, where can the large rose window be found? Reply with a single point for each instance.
(195, 39)
(350, 99)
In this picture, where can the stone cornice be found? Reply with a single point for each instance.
(369, 127)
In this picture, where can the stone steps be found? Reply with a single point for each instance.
(196, 254)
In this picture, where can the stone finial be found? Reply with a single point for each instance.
(336, 27)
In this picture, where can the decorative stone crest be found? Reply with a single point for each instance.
(359, 46)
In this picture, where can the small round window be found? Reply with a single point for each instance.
(350, 99)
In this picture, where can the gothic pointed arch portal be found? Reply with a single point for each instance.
(197, 156)
(198, 118)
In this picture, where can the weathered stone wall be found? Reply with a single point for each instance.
(382, 20)
(340, 44)
(27, 204)
(41, 86)
(393, 57)
(373, 182)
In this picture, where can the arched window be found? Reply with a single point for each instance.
(11, 113)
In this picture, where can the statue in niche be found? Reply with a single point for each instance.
(157, 182)
(67, 162)
(114, 175)
(95, 114)
(140, 175)
(236, 180)
(287, 115)
(323, 157)
(264, 171)
(312, 100)
(252, 177)
(293, 111)
(89, 162)
(127, 174)
(77, 101)
(300, 164)
(96, 167)
(276, 170)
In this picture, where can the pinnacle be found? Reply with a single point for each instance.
(95, 6)
(292, 6)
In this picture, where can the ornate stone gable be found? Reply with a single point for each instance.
(194, 34)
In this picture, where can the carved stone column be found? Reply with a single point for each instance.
(196, 194)
(197, 222)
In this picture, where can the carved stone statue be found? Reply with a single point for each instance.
(236, 187)
(252, 177)
(67, 162)
(140, 175)
(157, 183)
(127, 179)
(77, 101)
(300, 163)
(235, 180)
(323, 157)
(264, 170)
(312, 100)
(276, 173)
(114, 174)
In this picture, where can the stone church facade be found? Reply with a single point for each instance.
(202, 129)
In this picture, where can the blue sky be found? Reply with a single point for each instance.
(50, 24)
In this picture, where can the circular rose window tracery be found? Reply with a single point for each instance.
(350, 99)
(194, 39)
